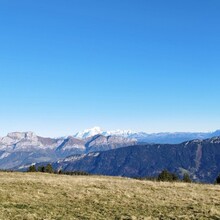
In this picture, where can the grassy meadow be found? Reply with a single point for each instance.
(50, 196)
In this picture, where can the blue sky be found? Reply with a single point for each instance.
(140, 65)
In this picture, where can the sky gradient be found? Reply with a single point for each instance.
(141, 65)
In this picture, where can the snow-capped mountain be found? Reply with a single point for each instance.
(123, 133)
(88, 133)
(97, 130)
(143, 137)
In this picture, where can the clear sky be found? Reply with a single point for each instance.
(150, 65)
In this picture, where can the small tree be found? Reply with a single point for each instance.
(32, 169)
(41, 169)
(167, 176)
(186, 178)
(218, 179)
(49, 168)
(174, 177)
(164, 176)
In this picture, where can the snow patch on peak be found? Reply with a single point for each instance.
(97, 130)
(124, 133)
(88, 133)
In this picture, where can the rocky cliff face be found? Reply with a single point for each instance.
(20, 148)
(102, 143)
(201, 159)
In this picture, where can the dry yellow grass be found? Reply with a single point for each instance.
(45, 196)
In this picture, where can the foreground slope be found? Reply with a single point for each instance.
(45, 196)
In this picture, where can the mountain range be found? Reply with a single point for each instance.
(143, 137)
(19, 150)
(199, 158)
(23, 148)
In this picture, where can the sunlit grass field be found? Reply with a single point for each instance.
(50, 196)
